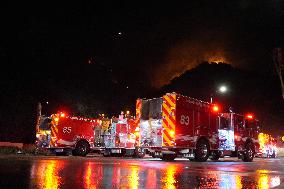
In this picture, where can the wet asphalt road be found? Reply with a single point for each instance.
(101, 172)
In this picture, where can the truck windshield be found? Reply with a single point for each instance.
(45, 123)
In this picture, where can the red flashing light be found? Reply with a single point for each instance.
(62, 115)
(215, 108)
(249, 116)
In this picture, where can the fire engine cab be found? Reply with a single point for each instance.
(176, 125)
(238, 136)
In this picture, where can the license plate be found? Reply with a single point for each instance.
(58, 150)
(115, 151)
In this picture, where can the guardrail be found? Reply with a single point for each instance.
(11, 144)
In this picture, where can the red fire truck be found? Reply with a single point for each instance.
(176, 125)
(63, 134)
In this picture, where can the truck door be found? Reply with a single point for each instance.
(238, 123)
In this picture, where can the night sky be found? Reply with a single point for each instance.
(80, 55)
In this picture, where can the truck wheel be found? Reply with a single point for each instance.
(249, 152)
(202, 151)
(215, 155)
(82, 148)
(168, 157)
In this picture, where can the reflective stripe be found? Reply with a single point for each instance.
(168, 113)
(54, 131)
(167, 140)
(168, 100)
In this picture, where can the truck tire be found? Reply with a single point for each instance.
(201, 151)
(82, 148)
(215, 155)
(168, 157)
(249, 152)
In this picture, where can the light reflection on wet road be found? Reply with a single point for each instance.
(100, 172)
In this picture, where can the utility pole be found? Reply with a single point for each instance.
(279, 66)
(38, 115)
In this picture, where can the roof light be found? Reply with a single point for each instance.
(62, 115)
